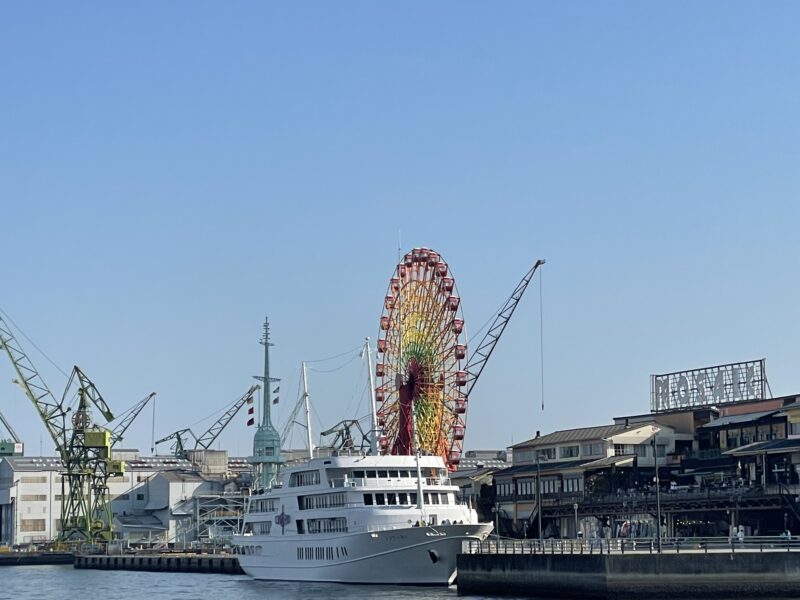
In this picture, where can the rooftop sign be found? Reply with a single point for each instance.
(711, 386)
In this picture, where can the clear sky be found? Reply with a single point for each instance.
(172, 172)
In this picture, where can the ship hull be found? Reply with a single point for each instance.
(410, 556)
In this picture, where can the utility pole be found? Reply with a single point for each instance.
(539, 494)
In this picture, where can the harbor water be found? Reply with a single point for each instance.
(63, 581)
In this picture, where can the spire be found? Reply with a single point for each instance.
(266, 420)
(266, 456)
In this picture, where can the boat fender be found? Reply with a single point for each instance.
(434, 556)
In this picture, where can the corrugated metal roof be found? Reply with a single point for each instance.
(579, 435)
(767, 447)
(738, 419)
(544, 468)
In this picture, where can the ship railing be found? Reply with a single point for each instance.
(695, 545)
(373, 482)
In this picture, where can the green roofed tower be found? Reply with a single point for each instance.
(266, 457)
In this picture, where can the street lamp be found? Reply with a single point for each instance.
(575, 508)
(658, 494)
(539, 494)
(496, 511)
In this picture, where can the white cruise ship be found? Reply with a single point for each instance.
(359, 519)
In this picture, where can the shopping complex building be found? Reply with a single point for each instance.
(715, 452)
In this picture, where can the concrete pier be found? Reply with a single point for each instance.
(36, 558)
(721, 573)
(174, 563)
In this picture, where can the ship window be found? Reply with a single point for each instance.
(371, 474)
(358, 474)
(434, 498)
(413, 498)
(302, 478)
(405, 474)
(368, 499)
(394, 474)
(391, 498)
(380, 499)
(300, 528)
(403, 498)
(426, 497)
(445, 498)
(383, 474)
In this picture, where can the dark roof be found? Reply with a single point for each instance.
(580, 434)
(768, 447)
(545, 468)
(739, 419)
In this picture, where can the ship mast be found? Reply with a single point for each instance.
(307, 402)
(373, 435)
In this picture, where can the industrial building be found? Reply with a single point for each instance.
(159, 499)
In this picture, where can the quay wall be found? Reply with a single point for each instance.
(684, 575)
(36, 558)
(162, 563)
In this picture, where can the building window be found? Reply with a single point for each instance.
(523, 456)
(568, 452)
(550, 486)
(594, 449)
(33, 479)
(526, 487)
(28, 525)
(641, 450)
(547, 454)
(573, 484)
(33, 498)
(661, 450)
(619, 449)
(504, 488)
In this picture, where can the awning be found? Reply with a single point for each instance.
(610, 461)
(767, 447)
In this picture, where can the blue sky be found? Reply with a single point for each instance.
(172, 172)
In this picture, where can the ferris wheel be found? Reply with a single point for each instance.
(420, 392)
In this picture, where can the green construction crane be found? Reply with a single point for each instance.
(83, 446)
(179, 445)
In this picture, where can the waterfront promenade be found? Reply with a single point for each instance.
(615, 568)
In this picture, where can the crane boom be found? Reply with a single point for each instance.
(180, 440)
(212, 433)
(88, 388)
(122, 426)
(50, 410)
(481, 355)
(10, 429)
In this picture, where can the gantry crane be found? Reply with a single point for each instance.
(204, 441)
(83, 446)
